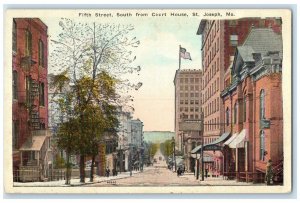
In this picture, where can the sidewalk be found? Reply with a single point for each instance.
(209, 181)
(76, 181)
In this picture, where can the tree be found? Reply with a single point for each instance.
(167, 148)
(93, 59)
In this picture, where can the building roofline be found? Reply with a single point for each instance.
(201, 27)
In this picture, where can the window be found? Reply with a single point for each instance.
(244, 109)
(192, 87)
(41, 53)
(14, 35)
(235, 113)
(181, 101)
(191, 116)
(196, 101)
(227, 116)
(15, 84)
(181, 109)
(186, 94)
(186, 80)
(192, 102)
(186, 88)
(15, 132)
(197, 109)
(192, 94)
(181, 94)
(262, 104)
(233, 40)
(186, 109)
(28, 43)
(186, 101)
(181, 88)
(181, 80)
(262, 146)
(42, 94)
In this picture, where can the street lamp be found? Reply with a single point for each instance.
(174, 155)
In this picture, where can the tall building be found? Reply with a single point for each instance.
(253, 107)
(187, 107)
(219, 41)
(31, 139)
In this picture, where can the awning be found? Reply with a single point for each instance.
(231, 139)
(196, 149)
(220, 139)
(206, 157)
(238, 142)
(223, 137)
(33, 144)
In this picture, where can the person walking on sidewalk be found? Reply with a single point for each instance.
(269, 173)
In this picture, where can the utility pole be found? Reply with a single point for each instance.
(202, 141)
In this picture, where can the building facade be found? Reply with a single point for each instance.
(219, 41)
(31, 139)
(187, 108)
(253, 107)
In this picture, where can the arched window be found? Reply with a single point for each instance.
(262, 146)
(244, 109)
(262, 104)
(227, 116)
(235, 113)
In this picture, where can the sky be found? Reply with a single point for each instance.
(157, 54)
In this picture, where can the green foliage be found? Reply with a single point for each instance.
(59, 162)
(167, 147)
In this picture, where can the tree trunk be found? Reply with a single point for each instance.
(92, 169)
(68, 171)
(81, 166)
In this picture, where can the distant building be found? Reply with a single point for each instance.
(31, 139)
(253, 106)
(187, 107)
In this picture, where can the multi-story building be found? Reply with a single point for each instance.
(253, 107)
(187, 107)
(136, 143)
(31, 140)
(219, 41)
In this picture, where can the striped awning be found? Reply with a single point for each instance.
(239, 140)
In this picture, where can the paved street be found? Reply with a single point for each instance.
(159, 175)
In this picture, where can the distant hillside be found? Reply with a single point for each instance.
(158, 136)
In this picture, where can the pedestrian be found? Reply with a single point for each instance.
(178, 171)
(269, 173)
(107, 172)
(206, 172)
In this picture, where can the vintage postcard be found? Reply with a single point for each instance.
(147, 101)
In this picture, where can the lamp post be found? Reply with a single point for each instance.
(174, 155)
(202, 141)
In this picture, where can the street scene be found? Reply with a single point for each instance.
(146, 98)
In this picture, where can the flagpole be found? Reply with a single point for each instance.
(179, 57)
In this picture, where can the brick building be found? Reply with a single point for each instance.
(31, 140)
(187, 107)
(253, 107)
(219, 41)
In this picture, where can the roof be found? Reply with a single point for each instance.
(263, 40)
(35, 145)
(246, 53)
(201, 27)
